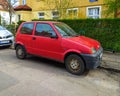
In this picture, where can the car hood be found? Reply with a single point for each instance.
(82, 40)
(5, 33)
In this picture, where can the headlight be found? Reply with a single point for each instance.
(93, 50)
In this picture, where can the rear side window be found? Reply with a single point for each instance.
(44, 30)
(27, 28)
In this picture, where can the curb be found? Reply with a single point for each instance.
(111, 52)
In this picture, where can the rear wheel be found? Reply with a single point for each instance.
(74, 64)
(20, 52)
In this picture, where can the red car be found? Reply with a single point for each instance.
(57, 41)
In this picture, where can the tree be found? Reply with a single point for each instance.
(8, 6)
(59, 5)
(113, 7)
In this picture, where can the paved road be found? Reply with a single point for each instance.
(40, 77)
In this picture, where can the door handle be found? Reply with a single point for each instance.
(33, 38)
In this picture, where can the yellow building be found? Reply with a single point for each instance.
(65, 9)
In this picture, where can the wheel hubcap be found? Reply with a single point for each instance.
(74, 64)
(20, 52)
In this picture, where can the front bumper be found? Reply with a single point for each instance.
(6, 42)
(93, 60)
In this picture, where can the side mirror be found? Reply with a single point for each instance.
(54, 36)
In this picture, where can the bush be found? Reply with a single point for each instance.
(18, 23)
(107, 31)
(11, 28)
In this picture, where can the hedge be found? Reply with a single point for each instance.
(106, 31)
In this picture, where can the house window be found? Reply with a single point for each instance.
(55, 14)
(93, 0)
(19, 17)
(41, 15)
(72, 12)
(94, 12)
(23, 2)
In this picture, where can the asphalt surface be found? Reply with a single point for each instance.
(41, 77)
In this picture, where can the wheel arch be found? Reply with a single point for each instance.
(76, 53)
(19, 44)
(23, 53)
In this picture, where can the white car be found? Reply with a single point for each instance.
(6, 37)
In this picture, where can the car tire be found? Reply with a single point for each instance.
(21, 52)
(74, 64)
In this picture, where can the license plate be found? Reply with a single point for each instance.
(2, 42)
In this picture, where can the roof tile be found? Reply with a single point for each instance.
(23, 7)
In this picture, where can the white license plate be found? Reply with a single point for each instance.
(4, 41)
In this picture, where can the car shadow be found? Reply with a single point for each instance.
(46, 61)
(49, 65)
(4, 47)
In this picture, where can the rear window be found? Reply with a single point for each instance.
(27, 28)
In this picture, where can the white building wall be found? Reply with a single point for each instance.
(5, 17)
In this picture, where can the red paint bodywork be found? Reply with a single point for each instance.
(55, 48)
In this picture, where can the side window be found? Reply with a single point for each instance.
(27, 28)
(24, 2)
(44, 30)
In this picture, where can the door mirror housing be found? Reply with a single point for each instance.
(54, 36)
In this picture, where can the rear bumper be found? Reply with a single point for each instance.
(93, 60)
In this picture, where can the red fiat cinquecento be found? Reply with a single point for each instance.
(57, 41)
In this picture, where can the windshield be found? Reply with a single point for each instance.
(2, 28)
(65, 30)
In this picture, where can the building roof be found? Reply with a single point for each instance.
(3, 4)
(23, 7)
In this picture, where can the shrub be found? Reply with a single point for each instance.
(18, 23)
(107, 31)
(11, 28)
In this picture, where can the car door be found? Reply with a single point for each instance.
(25, 36)
(46, 43)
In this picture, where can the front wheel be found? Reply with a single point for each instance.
(74, 64)
(20, 52)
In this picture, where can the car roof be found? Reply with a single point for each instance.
(49, 22)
